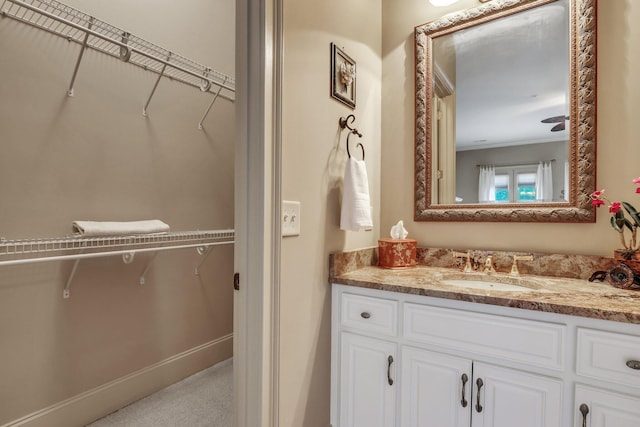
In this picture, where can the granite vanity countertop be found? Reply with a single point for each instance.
(575, 297)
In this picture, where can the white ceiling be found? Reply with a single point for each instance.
(510, 74)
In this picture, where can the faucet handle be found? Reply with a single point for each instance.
(467, 267)
(516, 258)
(488, 265)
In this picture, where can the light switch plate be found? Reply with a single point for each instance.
(290, 218)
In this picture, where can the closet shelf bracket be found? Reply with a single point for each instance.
(215, 96)
(127, 257)
(80, 55)
(155, 86)
(124, 51)
(204, 252)
(146, 269)
(66, 293)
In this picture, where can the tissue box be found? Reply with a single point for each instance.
(396, 253)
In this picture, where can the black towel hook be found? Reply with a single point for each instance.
(344, 123)
(359, 144)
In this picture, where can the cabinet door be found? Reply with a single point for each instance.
(433, 391)
(507, 398)
(605, 409)
(367, 382)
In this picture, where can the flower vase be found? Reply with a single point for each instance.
(625, 271)
(628, 257)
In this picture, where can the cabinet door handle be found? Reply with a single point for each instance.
(479, 383)
(584, 410)
(464, 379)
(365, 315)
(390, 361)
(634, 364)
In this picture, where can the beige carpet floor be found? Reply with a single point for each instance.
(201, 400)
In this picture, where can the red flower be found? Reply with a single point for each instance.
(614, 207)
(624, 217)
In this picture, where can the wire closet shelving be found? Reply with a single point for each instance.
(79, 27)
(89, 32)
(14, 252)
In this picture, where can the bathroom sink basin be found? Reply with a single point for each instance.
(486, 282)
(491, 286)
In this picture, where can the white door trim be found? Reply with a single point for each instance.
(257, 212)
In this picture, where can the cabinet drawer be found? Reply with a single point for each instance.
(519, 340)
(605, 408)
(604, 355)
(369, 314)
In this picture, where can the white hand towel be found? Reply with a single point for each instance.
(356, 204)
(114, 228)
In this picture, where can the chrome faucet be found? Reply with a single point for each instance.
(516, 258)
(467, 267)
(488, 265)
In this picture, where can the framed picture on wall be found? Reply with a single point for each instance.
(343, 77)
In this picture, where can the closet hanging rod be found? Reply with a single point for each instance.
(125, 48)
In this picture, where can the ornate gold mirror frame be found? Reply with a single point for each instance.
(582, 143)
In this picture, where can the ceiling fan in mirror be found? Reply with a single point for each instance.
(560, 120)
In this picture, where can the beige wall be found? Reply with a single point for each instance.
(618, 149)
(94, 156)
(313, 162)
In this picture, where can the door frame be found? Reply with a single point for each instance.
(257, 212)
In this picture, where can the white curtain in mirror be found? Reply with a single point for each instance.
(544, 182)
(487, 184)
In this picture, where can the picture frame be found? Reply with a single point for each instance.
(343, 77)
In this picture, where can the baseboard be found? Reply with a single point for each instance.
(93, 404)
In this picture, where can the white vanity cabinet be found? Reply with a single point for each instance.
(610, 361)
(509, 398)
(597, 407)
(442, 390)
(455, 368)
(438, 389)
(435, 389)
(368, 394)
(367, 361)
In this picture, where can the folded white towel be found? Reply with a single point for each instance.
(356, 204)
(114, 228)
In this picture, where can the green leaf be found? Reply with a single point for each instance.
(617, 223)
(633, 213)
(628, 224)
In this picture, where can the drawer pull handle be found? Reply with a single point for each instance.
(365, 315)
(390, 361)
(479, 383)
(584, 410)
(464, 379)
(634, 364)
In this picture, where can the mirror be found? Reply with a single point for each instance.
(505, 113)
